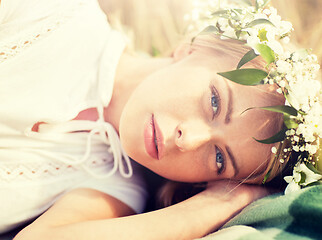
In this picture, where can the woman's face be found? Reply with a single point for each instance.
(185, 123)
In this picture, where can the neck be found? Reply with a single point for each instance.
(131, 71)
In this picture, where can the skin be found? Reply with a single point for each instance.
(179, 98)
(69, 219)
(90, 214)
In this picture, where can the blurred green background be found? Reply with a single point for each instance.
(156, 26)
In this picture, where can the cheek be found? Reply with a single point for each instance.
(256, 156)
(186, 168)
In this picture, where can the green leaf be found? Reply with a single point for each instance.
(289, 100)
(267, 176)
(303, 177)
(312, 168)
(318, 182)
(289, 122)
(236, 16)
(246, 2)
(286, 110)
(228, 14)
(231, 24)
(238, 32)
(248, 76)
(265, 3)
(280, 136)
(266, 52)
(259, 21)
(207, 30)
(221, 13)
(256, 5)
(281, 109)
(246, 58)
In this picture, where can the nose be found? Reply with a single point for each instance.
(192, 134)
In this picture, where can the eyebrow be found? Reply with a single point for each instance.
(229, 106)
(233, 160)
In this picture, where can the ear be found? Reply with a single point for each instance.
(182, 51)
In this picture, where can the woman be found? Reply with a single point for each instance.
(175, 116)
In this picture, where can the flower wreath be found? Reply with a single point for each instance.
(295, 73)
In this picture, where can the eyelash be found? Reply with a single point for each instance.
(220, 160)
(214, 100)
(215, 106)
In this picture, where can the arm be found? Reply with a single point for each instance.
(192, 218)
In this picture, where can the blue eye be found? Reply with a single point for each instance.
(215, 100)
(220, 161)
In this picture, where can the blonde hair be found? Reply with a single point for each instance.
(212, 47)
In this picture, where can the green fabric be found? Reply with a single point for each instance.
(294, 216)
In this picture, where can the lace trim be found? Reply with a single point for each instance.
(32, 171)
(11, 48)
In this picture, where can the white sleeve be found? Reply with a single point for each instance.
(131, 191)
(27, 11)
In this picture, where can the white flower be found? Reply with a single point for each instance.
(260, 15)
(271, 33)
(275, 19)
(295, 56)
(286, 40)
(291, 187)
(290, 132)
(302, 176)
(310, 176)
(283, 67)
(285, 27)
(276, 47)
(260, 2)
(267, 11)
(274, 150)
(252, 41)
(312, 149)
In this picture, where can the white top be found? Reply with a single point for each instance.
(58, 58)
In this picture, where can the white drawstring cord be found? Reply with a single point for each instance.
(107, 133)
(115, 144)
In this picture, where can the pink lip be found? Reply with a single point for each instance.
(159, 138)
(149, 135)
